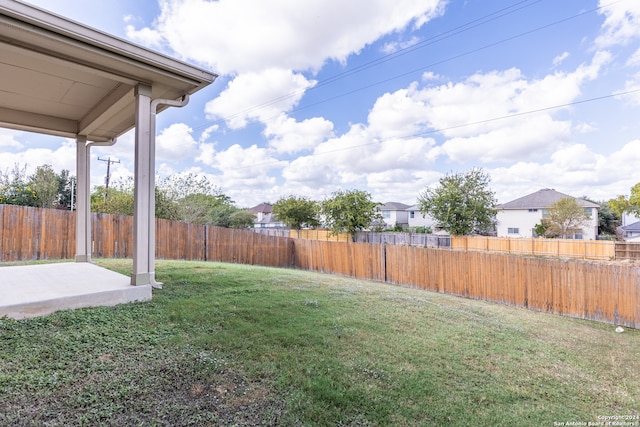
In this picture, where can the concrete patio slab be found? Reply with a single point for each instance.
(38, 290)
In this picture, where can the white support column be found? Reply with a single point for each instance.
(144, 181)
(83, 207)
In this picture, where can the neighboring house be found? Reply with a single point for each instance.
(518, 217)
(394, 213)
(631, 232)
(264, 217)
(628, 218)
(418, 219)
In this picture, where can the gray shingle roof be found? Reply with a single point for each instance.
(543, 199)
(393, 206)
(632, 227)
(262, 207)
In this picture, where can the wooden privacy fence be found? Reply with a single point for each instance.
(599, 291)
(359, 260)
(28, 233)
(628, 250)
(589, 290)
(585, 249)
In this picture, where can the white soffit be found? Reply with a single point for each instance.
(60, 77)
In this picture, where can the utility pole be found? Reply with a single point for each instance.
(106, 180)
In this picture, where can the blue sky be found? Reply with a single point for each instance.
(384, 96)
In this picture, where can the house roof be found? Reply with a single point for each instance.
(394, 206)
(543, 199)
(62, 78)
(264, 208)
(632, 227)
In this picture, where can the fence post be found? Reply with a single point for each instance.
(206, 242)
(383, 254)
(292, 248)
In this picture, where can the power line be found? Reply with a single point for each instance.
(400, 52)
(440, 130)
(450, 33)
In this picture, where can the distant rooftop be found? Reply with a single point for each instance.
(543, 199)
(264, 208)
(394, 206)
(631, 227)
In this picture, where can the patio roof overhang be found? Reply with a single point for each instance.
(59, 77)
(62, 78)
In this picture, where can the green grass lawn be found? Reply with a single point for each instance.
(225, 344)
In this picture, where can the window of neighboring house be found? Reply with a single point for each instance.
(587, 211)
(412, 214)
(513, 230)
(533, 210)
(545, 213)
(386, 214)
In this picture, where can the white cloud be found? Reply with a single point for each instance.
(393, 47)
(398, 114)
(175, 143)
(8, 139)
(144, 36)
(573, 169)
(62, 157)
(310, 172)
(633, 84)
(241, 167)
(585, 127)
(494, 116)
(517, 138)
(430, 75)
(204, 136)
(622, 22)
(289, 136)
(258, 95)
(560, 58)
(244, 35)
(634, 60)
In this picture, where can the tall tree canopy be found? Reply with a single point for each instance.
(46, 183)
(15, 188)
(186, 198)
(44, 188)
(461, 203)
(349, 211)
(296, 212)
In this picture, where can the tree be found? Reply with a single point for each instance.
(241, 218)
(565, 217)
(119, 200)
(349, 211)
(296, 212)
(206, 209)
(15, 189)
(66, 185)
(45, 182)
(622, 204)
(608, 220)
(181, 185)
(462, 203)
